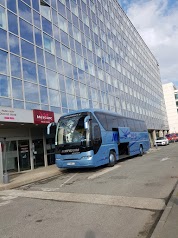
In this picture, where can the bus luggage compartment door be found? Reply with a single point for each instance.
(124, 134)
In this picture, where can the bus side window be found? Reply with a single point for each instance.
(97, 134)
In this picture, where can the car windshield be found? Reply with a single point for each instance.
(71, 130)
(161, 138)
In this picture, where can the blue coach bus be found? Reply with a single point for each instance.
(91, 138)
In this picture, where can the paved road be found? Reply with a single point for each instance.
(124, 201)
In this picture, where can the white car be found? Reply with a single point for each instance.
(161, 141)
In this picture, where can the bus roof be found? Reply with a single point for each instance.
(92, 110)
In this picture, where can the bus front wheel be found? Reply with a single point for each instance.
(112, 159)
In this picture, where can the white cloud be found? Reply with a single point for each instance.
(157, 23)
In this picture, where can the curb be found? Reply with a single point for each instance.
(28, 181)
(159, 227)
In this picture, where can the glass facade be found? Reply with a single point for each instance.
(66, 55)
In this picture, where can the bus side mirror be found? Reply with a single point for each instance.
(49, 127)
(86, 122)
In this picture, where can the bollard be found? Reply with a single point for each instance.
(5, 178)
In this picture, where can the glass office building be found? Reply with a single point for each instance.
(64, 55)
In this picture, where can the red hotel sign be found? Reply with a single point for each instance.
(43, 117)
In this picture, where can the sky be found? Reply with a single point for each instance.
(157, 23)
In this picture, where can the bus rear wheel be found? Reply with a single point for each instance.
(112, 159)
(141, 150)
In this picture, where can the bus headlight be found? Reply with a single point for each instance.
(87, 157)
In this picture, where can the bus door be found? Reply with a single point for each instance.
(124, 140)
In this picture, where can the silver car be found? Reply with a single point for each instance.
(161, 141)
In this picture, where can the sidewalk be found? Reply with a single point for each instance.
(167, 226)
(30, 176)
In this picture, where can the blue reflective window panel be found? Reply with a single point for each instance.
(24, 11)
(44, 107)
(78, 47)
(2, 2)
(27, 50)
(41, 75)
(3, 62)
(47, 26)
(28, 2)
(29, 71)
(69, 85)
(70, 29)
(54, 16)
(58, 49)
(35, 5)
(75, 20)
(11, 5)
(14, 44)
(52, 79)
(15, 66)
(53, 4)
(56, 109)
(5, 102)
(18, 104)
(31, 92)
(64, 110)
(75, 73)
(68, 69)
(40, 56)
(43, 95)
(77, 88)
(4, 86)
(62, 83)
(68, 4)
(79, 106)
(56, 32)
(17, 88)
(36, 19)
(81, 26)
(64, 38)
(38, 37)
(64, 100)
(54, 98)
(3, 39)
(26, 30)
(61, 9)
(31, 106)
(68, 15)
(72, 46)
(60, 66)
(50, 61)
(73, 58)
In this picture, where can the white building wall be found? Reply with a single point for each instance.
(168, 90)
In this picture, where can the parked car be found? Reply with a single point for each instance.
(161, 141)
(173, 137)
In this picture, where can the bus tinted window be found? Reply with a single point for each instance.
(102, 119)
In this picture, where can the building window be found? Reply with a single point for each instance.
(3, 62)
(45, 10)
(4, 86)
(2, 18)
(48, 43)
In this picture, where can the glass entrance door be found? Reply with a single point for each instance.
(10, 155)
(24, 155)
(38, 153)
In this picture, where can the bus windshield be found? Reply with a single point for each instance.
(70, 130)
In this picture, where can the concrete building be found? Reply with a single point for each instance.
(171, 100)
(59, 55)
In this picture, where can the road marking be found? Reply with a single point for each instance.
(67, 180)
(6, 200)
(164, 159)
(104, 171)
(120, 201)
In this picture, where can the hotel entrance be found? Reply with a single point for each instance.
(16, 155)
